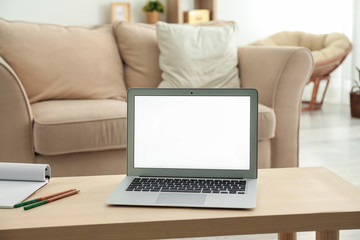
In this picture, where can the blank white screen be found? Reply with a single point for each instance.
(192, 132)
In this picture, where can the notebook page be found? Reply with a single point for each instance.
(20, 180)
(13, 192)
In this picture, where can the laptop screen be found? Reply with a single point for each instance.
(192, 132)
(187, 132)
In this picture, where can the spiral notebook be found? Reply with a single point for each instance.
(18, 181)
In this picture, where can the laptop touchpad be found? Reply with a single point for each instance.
(181, 199)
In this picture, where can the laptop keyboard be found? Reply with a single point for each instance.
(186, 185)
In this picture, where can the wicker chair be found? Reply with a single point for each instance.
(328, 50)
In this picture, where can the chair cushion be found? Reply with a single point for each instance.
(56, 62)
(328, 50)
(198, 56)
(138, 46)
(70, 126)
(266, 122)
(294, 38)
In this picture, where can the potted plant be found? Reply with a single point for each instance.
(153, 8)
(355, 97)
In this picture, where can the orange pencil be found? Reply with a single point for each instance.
(56, 194)
(51, 199)
(40, 199)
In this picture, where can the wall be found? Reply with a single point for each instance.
(260, 18)
(67, 12)
(356, 40)
(257, 19)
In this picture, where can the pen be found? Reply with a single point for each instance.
(40, 199)
(72, 192)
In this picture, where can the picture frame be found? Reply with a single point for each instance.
(120, 11)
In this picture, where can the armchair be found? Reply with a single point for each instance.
(328, 50)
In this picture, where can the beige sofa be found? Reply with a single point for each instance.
(63, 94)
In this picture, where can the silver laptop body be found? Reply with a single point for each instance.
(178, 137)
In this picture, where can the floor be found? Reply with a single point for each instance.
(329, 137)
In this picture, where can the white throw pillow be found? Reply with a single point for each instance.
(198, 56)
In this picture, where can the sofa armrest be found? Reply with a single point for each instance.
(280, 75)
(16, 141)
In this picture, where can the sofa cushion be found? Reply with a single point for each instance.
(138, 46)
(198, 56)
(266, 122)
(69, 126)
(55, 62)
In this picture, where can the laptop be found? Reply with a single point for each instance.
(190, 148)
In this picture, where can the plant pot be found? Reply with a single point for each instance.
(355, 104)
(152, 17)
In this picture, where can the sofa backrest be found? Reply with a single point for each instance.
(139, 49)
(56, 62)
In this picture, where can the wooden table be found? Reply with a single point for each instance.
(289, 200)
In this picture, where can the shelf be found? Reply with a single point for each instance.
(175, 13)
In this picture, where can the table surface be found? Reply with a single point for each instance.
(289, 200)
